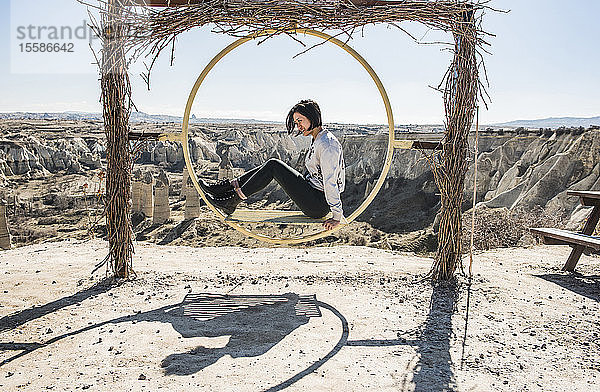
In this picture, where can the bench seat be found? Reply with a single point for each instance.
(563, 237)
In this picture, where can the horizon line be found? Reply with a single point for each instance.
(238, 119)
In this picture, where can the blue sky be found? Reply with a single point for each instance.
(543, 64)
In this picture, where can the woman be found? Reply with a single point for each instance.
(316, 193)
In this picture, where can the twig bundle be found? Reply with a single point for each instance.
(149, 30)
(460, 100)
(116, 94)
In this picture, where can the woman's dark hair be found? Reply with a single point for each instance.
(309, 109)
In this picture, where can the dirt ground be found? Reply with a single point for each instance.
(331, 318)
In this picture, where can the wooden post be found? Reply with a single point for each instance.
(460, 101)
(116, 91)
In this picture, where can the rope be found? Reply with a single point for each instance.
(474, 195)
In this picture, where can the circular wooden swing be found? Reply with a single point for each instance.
(287, 217)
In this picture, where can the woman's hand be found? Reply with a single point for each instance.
(331, 223)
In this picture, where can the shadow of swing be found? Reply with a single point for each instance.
(17, 319)
(256, 323)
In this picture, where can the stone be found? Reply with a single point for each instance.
(136, 196)
(192, 201)
(368, 188)
(223, 153)
(162, 179)
(225, 166)
(147, 198)
(225, 173)
(161, 212)
(4, 234)
(184, 184)
(136, 191)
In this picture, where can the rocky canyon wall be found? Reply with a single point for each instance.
(516, 168)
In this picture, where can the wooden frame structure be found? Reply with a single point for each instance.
(130, 29)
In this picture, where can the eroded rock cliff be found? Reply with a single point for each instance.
(528, 170)
(516, 168)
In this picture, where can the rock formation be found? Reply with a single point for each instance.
(192, 201)
(161, 212)
(184, 184)
(31, 156)
(4, 233)
(147, 198)
(136, 192)
(225, 166)
(526, 171)
(516, 167)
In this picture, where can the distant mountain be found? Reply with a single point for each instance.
(554, 122)
(51, 116)
(139, 117)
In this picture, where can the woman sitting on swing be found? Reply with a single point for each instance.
(316, 193)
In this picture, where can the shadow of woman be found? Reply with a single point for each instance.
(253, 323)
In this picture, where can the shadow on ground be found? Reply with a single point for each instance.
(587, 286)
(15, 320)
(433, 370)
(176, 232)
(255, 323)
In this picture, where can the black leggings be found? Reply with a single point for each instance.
(311, 201)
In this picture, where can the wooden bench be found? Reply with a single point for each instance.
(578, 241)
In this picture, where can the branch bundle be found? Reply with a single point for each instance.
(116, 100)
(150, 29)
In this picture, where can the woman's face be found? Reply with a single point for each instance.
(303, 123)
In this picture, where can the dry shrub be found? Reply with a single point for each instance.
(503, 227)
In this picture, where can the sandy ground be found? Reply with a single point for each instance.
(338, 318)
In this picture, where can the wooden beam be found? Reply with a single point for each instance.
(184, 3)
(587, 198)
(273, 216)
(166, 3)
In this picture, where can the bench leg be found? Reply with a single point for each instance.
(590, 225)
(573, 259)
